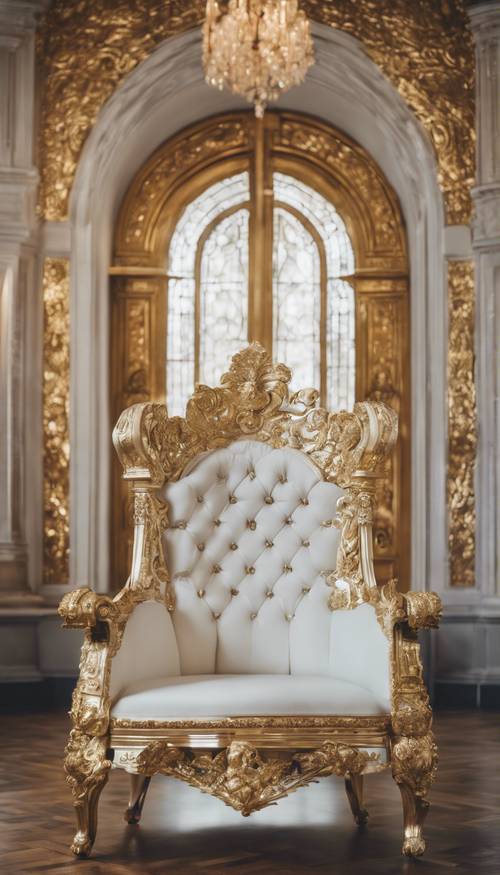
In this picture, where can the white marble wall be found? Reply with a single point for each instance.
(467, 648)
(20, 476)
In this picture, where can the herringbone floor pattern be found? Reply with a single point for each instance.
(311, 832)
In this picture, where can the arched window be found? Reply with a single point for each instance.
(209, 312)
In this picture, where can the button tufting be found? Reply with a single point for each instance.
(200, 499)
(253, 616)
(269, 594)
(306, 589)
(180, 525)
(249, 569)
(304, 501)
(288, 520)
(232, 499)
(201, 593)
(251, 474)
(269, 543)
(251, 524)
(234, 591)
(233, 546)
(216, 616)
(269, 499)
(201, 547)
(283, 479)
(216, 569)
(306, 543)
(287, 568)
(216, 522)
(289, 617)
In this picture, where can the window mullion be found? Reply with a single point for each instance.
(260, 292)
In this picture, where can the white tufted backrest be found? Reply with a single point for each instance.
(249, 546)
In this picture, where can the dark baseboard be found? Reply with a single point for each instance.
(48, 694)
(451, 695)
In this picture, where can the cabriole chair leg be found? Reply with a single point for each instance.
(87, 771)
(414, 812)
(354, 790)
(138, 788)
(414, 762)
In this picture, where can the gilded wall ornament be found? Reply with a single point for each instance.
(424, 49)
(462, 424)
(55, 291)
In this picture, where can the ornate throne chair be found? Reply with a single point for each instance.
(250, 650)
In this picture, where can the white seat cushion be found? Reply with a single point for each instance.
(218, 696)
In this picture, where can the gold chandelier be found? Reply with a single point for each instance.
(256, 48)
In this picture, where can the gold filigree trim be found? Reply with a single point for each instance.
(56, 420)
(376, 724)
(253, 400)
(246, 779)
(424, 49)
(462, 425)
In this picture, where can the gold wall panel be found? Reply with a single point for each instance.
(137, 362)
(87, 47)
(383, 374)
(56, 420)
(462, 431)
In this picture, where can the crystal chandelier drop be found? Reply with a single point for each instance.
(257, 48)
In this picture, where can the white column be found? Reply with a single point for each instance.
(20, 365)
(468, 644)
(485, 23)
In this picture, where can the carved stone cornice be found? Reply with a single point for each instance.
(20, 16)
(486, 220)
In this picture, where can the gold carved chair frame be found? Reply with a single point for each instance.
(251, 762)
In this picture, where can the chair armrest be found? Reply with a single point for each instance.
(85, 609)
(423, 610)
(413, 610)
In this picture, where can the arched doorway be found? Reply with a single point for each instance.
(298, 232)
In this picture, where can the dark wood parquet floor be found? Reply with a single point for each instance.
(311, 832)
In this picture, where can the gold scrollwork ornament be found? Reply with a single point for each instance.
(245, 779)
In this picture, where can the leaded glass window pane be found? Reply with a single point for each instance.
(340, 347)
(340, 302)
(223, 296)
(310, 267)
(180, 344)
(182, 287)
(296, 299)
